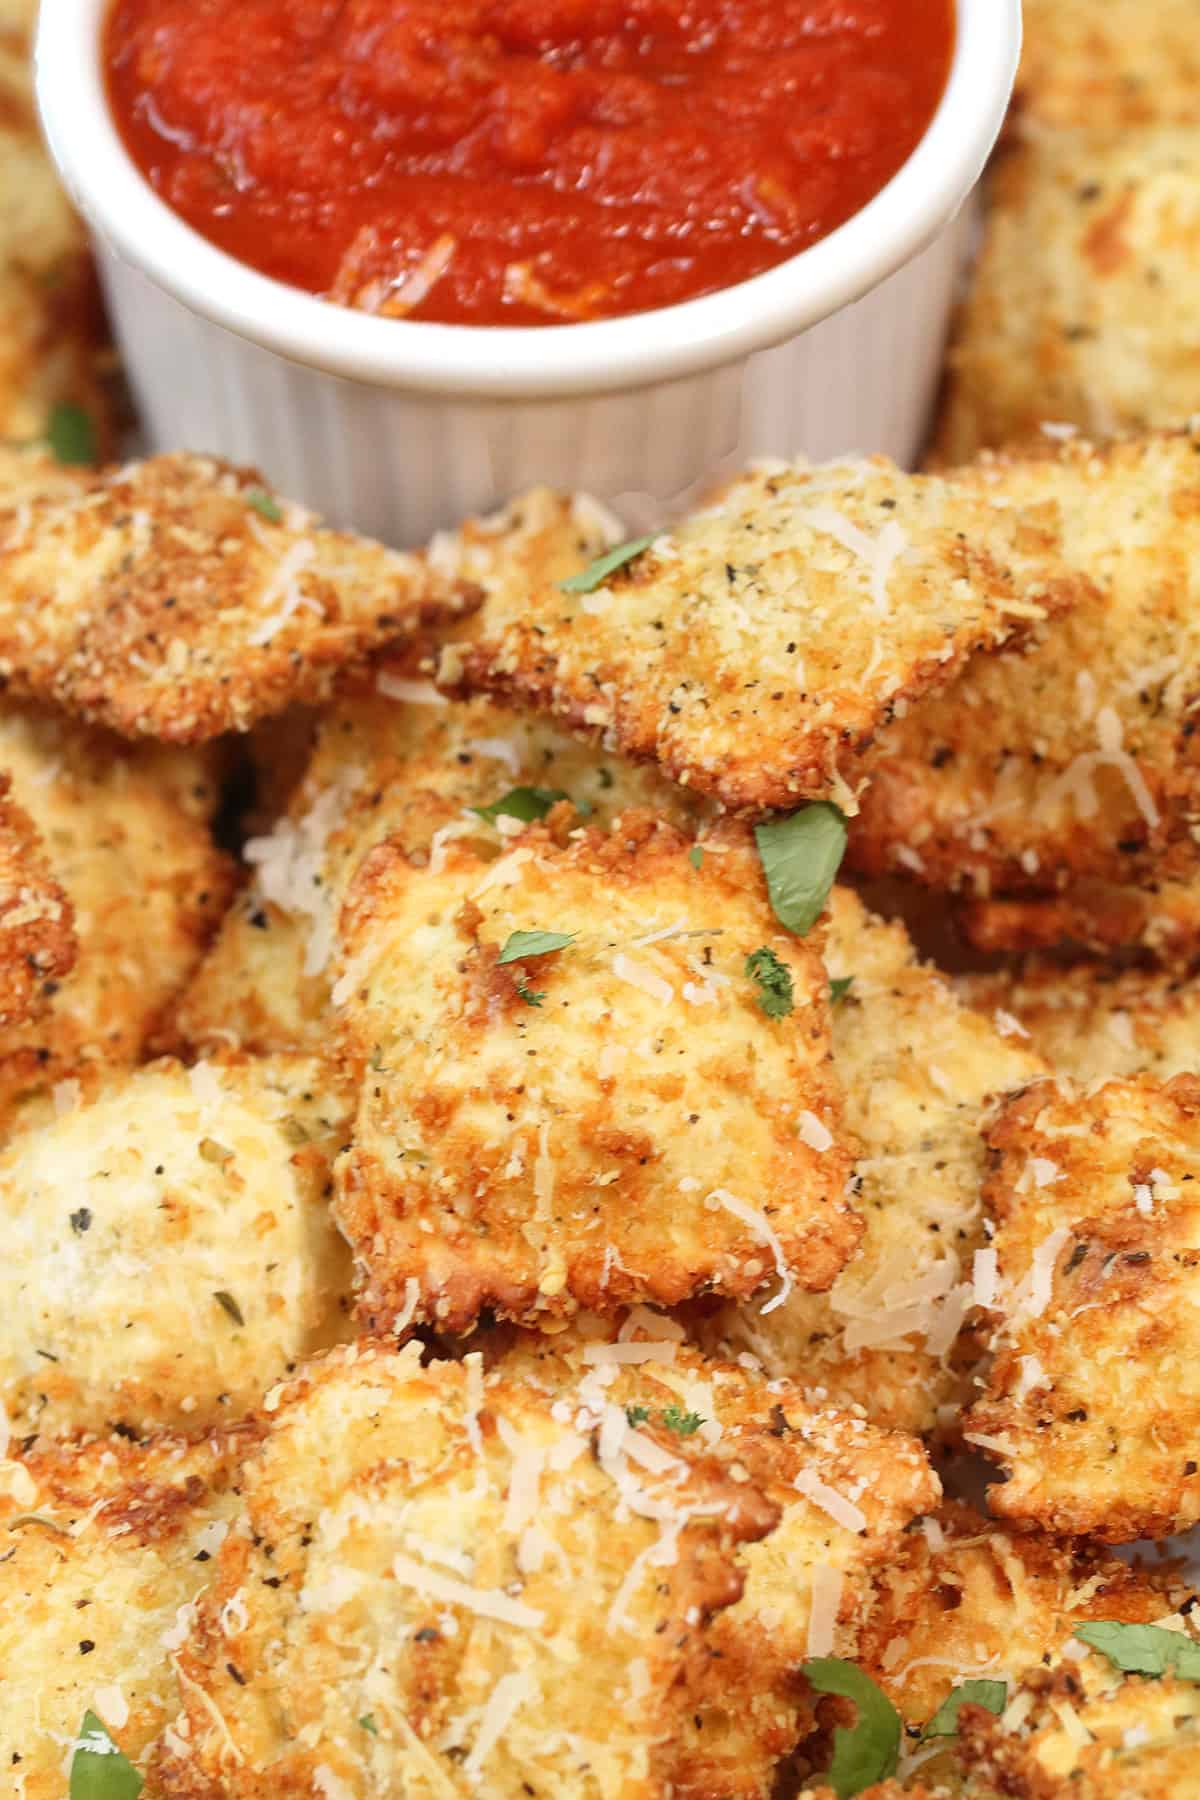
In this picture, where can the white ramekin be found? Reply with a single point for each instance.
(399, 427)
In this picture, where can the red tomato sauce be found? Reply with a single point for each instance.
(521, 162)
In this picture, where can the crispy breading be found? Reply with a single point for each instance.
(383, 765)
(37, 922)
(919, 1070)
(1088, 1404)
(1075, 313)
(105, 1548)
(178, 598)
(1078, 759)
(964, 1600)
(755, 650)
(1087, 1731)
(519, 1574)
(1110, 65)
(126, 830)
(1094, 1022)
(169, 1249)
(618, 1120)
(1162, 920)
(845, 1493)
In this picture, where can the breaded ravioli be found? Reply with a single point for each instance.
(919, 1071)
(513, 1579)
(1162, 920)
(1078, 314)
(169, 1249)
(37, 923)
(105, 1548)
(1094, 1022)
(179, 598)
(1090, 1405)
(391, 759)
(1109, 65)
(755, 650)
(1078, 759)
(965, 1600)
(572, 1094)
(126, 832)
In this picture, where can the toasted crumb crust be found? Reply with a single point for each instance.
(755, 651)
(919, 1071)
(1162, 920)
(1111, 66)
(616, 1121)
(1090, 1403)
(179, 598)
(37, 921)
(1077, 761)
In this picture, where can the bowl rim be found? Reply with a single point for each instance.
(534, 362)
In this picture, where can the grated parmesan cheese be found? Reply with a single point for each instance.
(510, 1693)
(825, 1605)
(637, 975)
(413, 693)
(841, 1510)
(486, 1603)
(764, 1231)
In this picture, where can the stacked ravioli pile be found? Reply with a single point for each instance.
(517, 1275)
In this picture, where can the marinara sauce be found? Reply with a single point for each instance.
(521, 162)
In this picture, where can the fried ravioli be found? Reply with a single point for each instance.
(919, 1071)
(178, 598)
(391, 759)
(37, 926)
(756, 649)
(1078, 312)
(105, 1548)
(1088, 1403)
(169, 1246)
(1077, 760)
(1163, 920)
(513, 1577)
(607, 1118)
(1110, 66)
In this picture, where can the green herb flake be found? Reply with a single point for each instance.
(839, 989)
(990, 1694)
(228, 1304)
(368, 1724)
(521, 944)
(1142, 1649)
(71, 435)
(774, 978)
(696, 856)
(525, 803)
(100, 1770)
(801, 856)
(869, 1751)
(684, 1424)
(598, 572)
(265, 505)
(527, 994)
(637, 1415)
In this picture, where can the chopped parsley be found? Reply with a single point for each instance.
(682, 1423)
(868, 1751)
(1142, 1649)
(521, 944)
(525, 803)
(696, 856)
(637, 1415)
(265, 505)
(774, 978)
(228, 1304)
(801, 856)
(368, 1724)
(100, 1770)
(991, 1694)
(71, 435)
(527, 994)
(839, 988)
(598, 572)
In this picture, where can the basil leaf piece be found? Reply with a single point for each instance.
(598, 572)
(870, 1750)
(525, 803)
(99, 1770)
(696, 856)
(801, 856)
(1142, 1649)
(265, 504)
(521, 944)
(944, 1723)
(839, 988)
(71, 435)
(774, 978)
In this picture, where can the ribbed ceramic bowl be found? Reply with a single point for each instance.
(398, 427)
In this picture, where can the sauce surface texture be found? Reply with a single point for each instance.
(522, 162)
